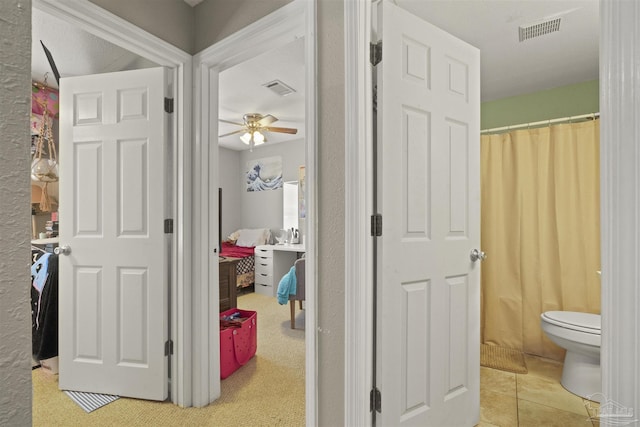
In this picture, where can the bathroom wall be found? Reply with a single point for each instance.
(565, 101)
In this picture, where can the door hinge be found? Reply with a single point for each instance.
(168, 226)
(375, 53)
(376, 225)
(375, 400)
(168, 347)
(168, 105)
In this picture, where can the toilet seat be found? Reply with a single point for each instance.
(582, 322)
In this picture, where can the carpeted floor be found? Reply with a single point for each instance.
(267, 391)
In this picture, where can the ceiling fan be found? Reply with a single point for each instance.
(254, 126)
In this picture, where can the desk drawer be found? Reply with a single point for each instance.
(264, 289)
(263, 278)
(262, 266)
(266, 253)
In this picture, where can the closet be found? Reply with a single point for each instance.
(44, 232)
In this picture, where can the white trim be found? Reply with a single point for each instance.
(311, 172)
(620, 207)
(358, 210)
(288, 23)
(97, 21)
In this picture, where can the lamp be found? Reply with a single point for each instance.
(253, 138)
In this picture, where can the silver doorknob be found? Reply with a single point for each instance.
(62, 250)
(477, 255)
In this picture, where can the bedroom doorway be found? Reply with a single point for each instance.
(283, 27)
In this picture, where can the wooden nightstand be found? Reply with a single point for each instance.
(227, 272)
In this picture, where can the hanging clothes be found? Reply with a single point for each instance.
(44, 305)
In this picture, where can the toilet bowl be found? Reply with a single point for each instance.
(579, 334)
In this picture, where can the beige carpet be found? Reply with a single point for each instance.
(267, 391)
(504, 359)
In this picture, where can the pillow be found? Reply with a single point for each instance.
(252, 237)
(233, 236)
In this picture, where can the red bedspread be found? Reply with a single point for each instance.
(231, 250)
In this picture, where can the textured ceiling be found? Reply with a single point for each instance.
(508, 67)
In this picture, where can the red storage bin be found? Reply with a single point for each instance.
(238, 339)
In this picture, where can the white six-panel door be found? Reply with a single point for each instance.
(113, 281)
(428, 99)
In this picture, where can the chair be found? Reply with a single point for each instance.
(300, 290)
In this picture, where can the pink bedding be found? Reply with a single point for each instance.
(231, 250)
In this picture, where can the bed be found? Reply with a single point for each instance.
(241, 245)
(245, 268)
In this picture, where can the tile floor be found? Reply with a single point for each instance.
(533, 399)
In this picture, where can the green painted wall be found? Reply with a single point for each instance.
(565, 101)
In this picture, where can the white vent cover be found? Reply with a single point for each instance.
(539, 29)
(280, 88)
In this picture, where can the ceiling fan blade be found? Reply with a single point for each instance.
(267, 120)
(281, 130)
(231, 133)
(230, 122)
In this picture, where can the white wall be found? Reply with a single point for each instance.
(229, 167)
(15, 214)
(263, 209)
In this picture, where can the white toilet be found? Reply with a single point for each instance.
(579, 334)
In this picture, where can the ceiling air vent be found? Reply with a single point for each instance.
(539, 29)
(280, 88)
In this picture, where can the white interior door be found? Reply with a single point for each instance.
(113, 201)
(428, 321)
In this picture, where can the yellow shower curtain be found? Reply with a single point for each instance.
(540, 228)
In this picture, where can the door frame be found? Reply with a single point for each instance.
(293, 20)
(359, 261)
(105, 25)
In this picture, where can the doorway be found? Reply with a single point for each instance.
(149, 49)
(277, 29)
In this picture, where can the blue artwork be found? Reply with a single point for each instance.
(264, 174)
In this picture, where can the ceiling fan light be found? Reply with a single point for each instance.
(258, 138)
(246, 138)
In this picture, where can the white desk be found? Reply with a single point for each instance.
(273, 262)
(285, 247)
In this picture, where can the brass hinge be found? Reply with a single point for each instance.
(375, 400)
(168, 226)
(168, 347)
(376, 225)
(375, 53)
(168, 105)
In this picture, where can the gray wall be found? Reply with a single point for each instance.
(330, 211)
(170, 20)
(15, 214)
(229, 169)
(242, 209)
(263, 209)
(217, 19)
(171, 25)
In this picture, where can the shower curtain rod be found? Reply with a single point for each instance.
(542, 122)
